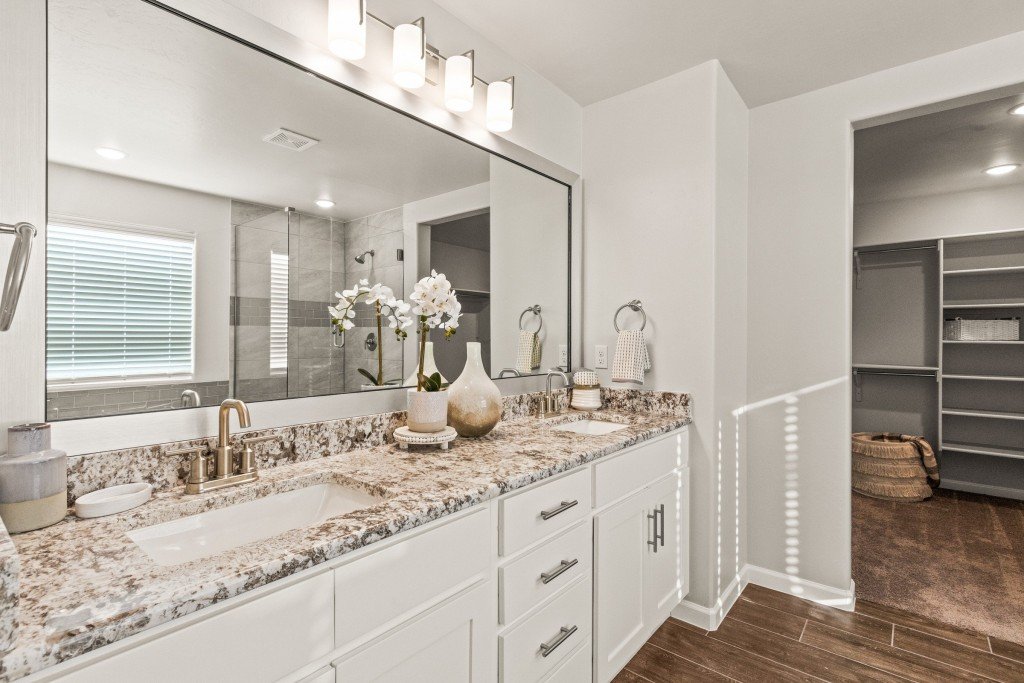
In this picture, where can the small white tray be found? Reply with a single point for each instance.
(406, 437)
(112, 500)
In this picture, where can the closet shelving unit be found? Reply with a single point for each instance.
(973, 407)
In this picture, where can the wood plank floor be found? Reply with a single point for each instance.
(770, 636)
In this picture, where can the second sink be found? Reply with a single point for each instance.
(210, 533)
(590, 427)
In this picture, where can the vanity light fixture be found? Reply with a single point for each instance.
(346, 28)
(501, 102)
(409, 55)
(1002, 169)
(460, 81)
(324, 203)
(110, 153)
(1018, 110)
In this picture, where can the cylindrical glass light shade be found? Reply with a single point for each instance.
(458, 83)
(409, 64)
(499, 106)
(346, 28)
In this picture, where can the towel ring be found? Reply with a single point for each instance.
(635, 305)
(535, 309)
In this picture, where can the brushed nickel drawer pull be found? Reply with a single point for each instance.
(658, 535)
(566, 565)
(566, 504)
(563, 634)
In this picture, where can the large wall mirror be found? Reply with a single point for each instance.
(207, 200)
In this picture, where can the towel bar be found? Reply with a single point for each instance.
(17, 268)
(635, 305)
(535, 309)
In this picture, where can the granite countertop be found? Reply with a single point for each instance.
(84, 583)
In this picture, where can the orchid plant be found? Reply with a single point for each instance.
(382, 298)
(434, 305)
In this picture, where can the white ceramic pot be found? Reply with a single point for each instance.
(428, 411)
(474, 404)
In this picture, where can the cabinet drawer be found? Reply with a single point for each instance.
(261, 640)
(407, 577)
(559, 629)
(620, 475)
(576, 668)
(544, 571)
(533, 514)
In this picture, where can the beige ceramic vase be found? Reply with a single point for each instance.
(474, 401)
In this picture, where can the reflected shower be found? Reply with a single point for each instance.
(362, 257)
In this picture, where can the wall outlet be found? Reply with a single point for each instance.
(563, 355)
(601, 357)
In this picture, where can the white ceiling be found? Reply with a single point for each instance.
(771, 49)
(190, 108)
(939, 153)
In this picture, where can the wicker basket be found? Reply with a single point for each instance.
(893, 467)
(961, 329)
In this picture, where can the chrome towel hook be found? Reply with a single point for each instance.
(17, 268)
(634, 305)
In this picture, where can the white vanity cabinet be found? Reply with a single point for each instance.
(562, 582)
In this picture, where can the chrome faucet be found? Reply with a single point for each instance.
(225, 473)
(548, 402)
(189, 399)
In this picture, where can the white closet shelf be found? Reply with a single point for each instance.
(895, 368)
(985, 378)
(958, 341)
(982, 449)
(1000, 270)
(995, 415)
(983, 303)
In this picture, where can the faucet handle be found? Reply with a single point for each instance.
(199, 465)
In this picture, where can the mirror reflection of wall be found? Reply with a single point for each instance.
(207, 201)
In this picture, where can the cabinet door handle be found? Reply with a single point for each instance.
(566, 504)
(659, 530)
(566, 565)
(552, 645)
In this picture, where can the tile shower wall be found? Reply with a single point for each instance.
(72, 403)
(381, 232)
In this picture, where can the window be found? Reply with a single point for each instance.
(278, 313)
(119, 304)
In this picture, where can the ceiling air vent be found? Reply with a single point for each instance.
(289, 139)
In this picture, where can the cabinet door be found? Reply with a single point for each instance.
(620, 534)
(447, 644)
(665, 566)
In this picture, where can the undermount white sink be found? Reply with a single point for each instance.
(210, 533)
(590, 427)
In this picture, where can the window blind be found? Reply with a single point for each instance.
(119, 304)
(278, 312)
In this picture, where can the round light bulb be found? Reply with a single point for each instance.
(324, 203)
(1018, 110)
(499, 106)
(408, 63)
(110, 153)
(1002, 169)
(346, 29)
(459, 83)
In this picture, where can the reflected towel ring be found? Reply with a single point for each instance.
(535, 309)
(635, 305)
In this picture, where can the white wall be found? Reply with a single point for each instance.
(81, 193)
(665, 215)
(940, 215)
(529, 262)
(799, 323)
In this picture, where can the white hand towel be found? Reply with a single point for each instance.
(631, 357)
(527, 352)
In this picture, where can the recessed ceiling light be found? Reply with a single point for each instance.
(1002, 169)
(324, 203)
(1018, 110)
(110, 153)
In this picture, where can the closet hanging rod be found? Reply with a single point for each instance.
(927, 373)
(887, 251)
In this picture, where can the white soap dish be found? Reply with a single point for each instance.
(112, 500)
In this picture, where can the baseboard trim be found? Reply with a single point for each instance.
(709, 618)
(802, 588)
(984, 489)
